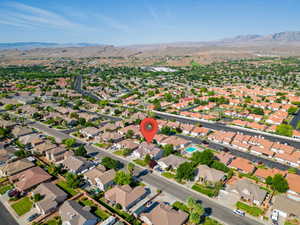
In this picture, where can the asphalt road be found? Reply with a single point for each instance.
(5, 217)
(220, 126)
(218, 211)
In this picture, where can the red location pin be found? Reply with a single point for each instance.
(149, 128)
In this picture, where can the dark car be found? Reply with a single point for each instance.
(32, 217)
(205, 142)
(225, 150)
(13, 193)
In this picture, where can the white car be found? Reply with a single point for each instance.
(239, 212)
(275, 215)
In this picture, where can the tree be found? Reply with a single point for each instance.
(147, 159)
(69, 142)
(269, 180)
(284, 129)
(129, 134)
(130, 167)
(206, 157)
(110, 163)
(196, 210)
(9, 107)
(194, 218)
(122, 178)
(4, 133)
(168, 149)
(53, 169)
(292, 110)
(80, 151)
(37, 197)
(219, 166)
(298, 125)
(185, 171)
(73, 180)
(279, 183)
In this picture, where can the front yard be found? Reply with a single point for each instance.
(252, 210)
(168, 175)
(209, 191)
(5, 188)
(22, 206)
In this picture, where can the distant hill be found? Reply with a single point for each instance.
(31, 45)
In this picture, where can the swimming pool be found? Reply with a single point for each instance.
(191, 149)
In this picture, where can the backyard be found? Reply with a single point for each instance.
(63, 185)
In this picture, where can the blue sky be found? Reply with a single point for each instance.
(123, 22)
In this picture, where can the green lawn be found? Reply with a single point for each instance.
(97, 211)
(210, 221)
(52, 222)
(5, 188)
(2, 179)
(22, 206)
(181, 206)
(63, 185)
(210, 192)
(252, 210)
(168, 175)
(140, 162)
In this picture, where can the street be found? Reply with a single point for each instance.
(5, 217)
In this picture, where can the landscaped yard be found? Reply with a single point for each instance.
(22, 206)
(181, 206)
(252, 210)
(209, 191)
(140, 162)
(168, 175)
(53, 222)
(97, 211)
(63, 185)
(5, 188)
(210, 221)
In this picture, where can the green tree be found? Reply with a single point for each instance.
(279, 183)
(147, 159)
(69, 142)
(269, 180)
(185, 171)
(284, 129)
(292, 110)
(110, 163)
(37, 197)
(80, 151)
(168, 150)
(130, 167)
(73, 180)
(194, 218)
(122, 178)
(206, 157)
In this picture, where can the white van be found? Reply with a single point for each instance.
(239, 212)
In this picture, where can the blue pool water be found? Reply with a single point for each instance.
(190, 149)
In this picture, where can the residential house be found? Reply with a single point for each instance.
(76, 164)
(200, 131)
(125, 195)
(109, 137)
(15, 167)
(294, 183)
(29, 178)
(247, 190)
(7, 124)
(171, 161)
(72, 213)
(56, 155)
(100, 178)
(224, 157)
(147, 149)
(242, 165)
(177, 142)
(52, 197)
(31, 140)
(286, 206)
(210, 175)
(19, 131)
(90, 132)
(263, 173)
(164, 214)
(44, 147)
(127, 144)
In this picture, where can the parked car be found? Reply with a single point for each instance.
(275, 216)
(13, 193)
(239, 212)
(33, 217)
